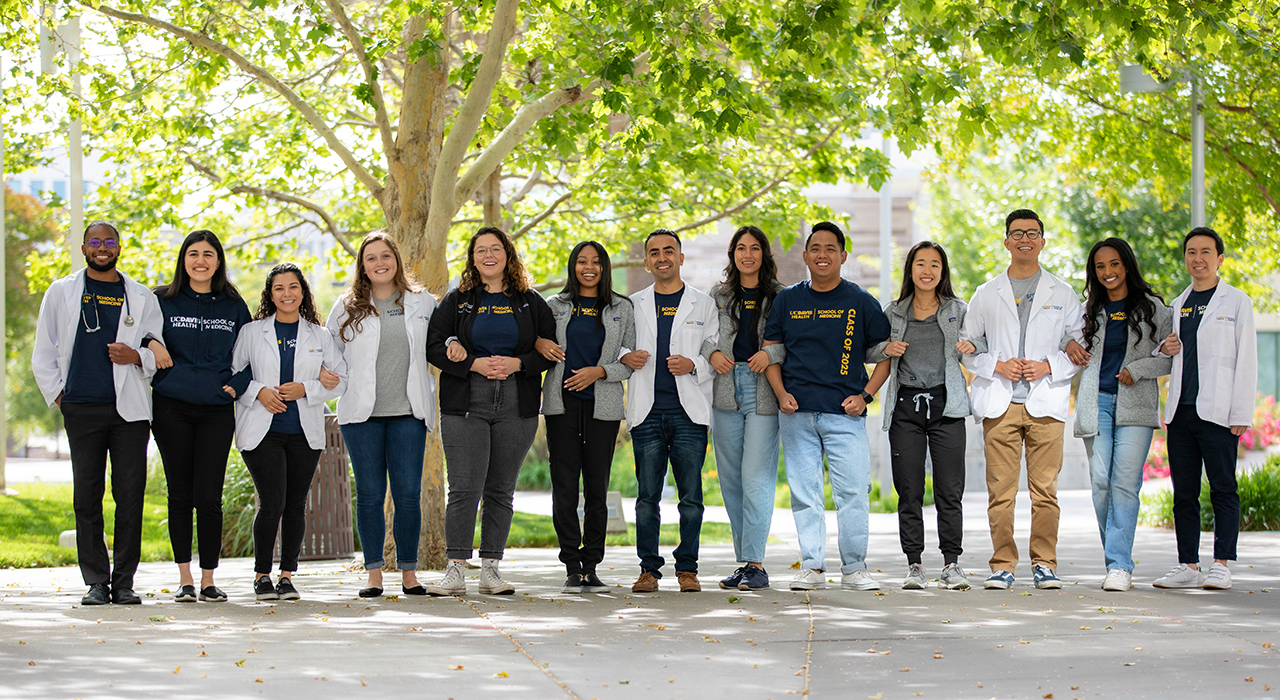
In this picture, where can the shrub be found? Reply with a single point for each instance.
(1259, 492)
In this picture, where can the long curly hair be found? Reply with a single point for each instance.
(768, 279)
(357, 301)
(267, 305)
(516, 277)
(1138, 306)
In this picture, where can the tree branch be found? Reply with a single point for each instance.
(308, 112)
(370, 76)
(551, 209)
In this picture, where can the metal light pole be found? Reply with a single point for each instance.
(67, 39)
(881, 438)
(1134, 79)
(4, 320)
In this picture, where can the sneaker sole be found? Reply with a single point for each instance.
(291, 596)
(1115, 589)
(745, 587)
(443, 592)
(185, 599)
(571, 590)
(595, 589)
(996, 585)
(1048, 585)
(804, 586)
(736, 586)
(960, 586)
(1190, 585)
(860, 586)
(507, 590)
(913, 585)
(267, 596)
(1217, 587)
(207, 599)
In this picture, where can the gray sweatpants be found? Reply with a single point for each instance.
(483, 451)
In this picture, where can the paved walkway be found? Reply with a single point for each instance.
(1080, 642)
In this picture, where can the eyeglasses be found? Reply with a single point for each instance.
(100, 242)
(1031, 234)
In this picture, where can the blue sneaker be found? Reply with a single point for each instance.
(1001, 579)
(1045, 578)
(734, 578)
(754, 578)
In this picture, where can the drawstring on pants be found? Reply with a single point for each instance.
(928, 404)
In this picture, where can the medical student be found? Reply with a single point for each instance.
(1021, 392)
(194, 393)
(925, 405)
(744, 422)
(582, 400)
(280, 424)
(826, 324)
(1118, 402)
(90, 361)
(482, 338)
(380, 325)
(669, 407)
(1211, 395)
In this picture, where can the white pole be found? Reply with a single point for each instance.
(1197, 156)
(75, 147)
(4, 320)
(886, 281)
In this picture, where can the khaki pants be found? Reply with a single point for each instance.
(1004, 438)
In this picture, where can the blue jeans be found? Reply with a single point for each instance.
(747, 464)
(382, 448)
(806, 437)
(662, 437)
(1116, 456)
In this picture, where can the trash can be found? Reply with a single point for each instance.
(329, 527)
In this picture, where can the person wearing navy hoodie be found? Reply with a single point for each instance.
(194, 393)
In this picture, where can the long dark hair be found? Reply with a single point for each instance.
(943, 290)
(357, 301)
(220, 284)
(604, 287)
(516, 277)
(267, 305)
(1138, 306)
(768, 279)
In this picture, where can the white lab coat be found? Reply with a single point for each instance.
(696, 321)
(361, 355)
(256, 347)
(1226, 355)
(56, 329)
(993, 314)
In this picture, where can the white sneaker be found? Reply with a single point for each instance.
(954, 578)
(1218, 578)
(860, 580)
(1181, 576)
(491, 582)
(1117, 580)
(453, 582)
(916, 579)
(807, 580)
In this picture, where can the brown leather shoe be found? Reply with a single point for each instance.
(647, 583)
(688, 582)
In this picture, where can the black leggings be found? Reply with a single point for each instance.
(282, 467)
(194, 442)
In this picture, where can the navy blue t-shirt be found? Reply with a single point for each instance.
(1113, 349)
(666, 399)
(747, 343)
(89, 379)
(584, 338)
(1192, 310)
(826, 335)
(495, 332)
(289, 422)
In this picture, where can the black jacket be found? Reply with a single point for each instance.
(455, 317)
(200, 333)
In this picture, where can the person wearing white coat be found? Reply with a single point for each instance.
(90, 362)
(1021, 392)
(669, 406)
(280, 424)
(1210, 405)
(380, 324)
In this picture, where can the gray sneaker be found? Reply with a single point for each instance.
(491, 582)
(859, 580)
(453, 582)
(954, 578)
(916, 579)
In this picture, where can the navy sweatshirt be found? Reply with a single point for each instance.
(200, 333)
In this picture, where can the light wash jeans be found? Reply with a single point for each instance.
(806, 437)
(1116, 456)
(747, 464)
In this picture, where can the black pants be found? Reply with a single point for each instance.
(282, 467)
(580, 446)
(918, 424)
(95, 430)
(194, 442)
(1194, 441)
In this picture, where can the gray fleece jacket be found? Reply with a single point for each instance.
(950, 317)
(723, 388)
(619, 332)
(1135, 405)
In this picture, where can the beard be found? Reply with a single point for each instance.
(100, 268)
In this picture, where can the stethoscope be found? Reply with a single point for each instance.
(97, 318)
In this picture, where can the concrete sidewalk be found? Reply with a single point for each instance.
(1080, 642)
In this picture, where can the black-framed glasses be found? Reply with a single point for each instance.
(1032, 234)
(100, 242)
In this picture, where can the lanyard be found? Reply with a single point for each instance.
(97, 319)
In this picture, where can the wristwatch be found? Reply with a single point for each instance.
(867, 398)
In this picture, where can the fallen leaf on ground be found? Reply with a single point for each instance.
(241, 662)
(502, 674)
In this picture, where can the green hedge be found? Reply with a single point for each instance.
(1259, 501)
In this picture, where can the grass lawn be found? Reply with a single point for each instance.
(30, 523)
(537, 531)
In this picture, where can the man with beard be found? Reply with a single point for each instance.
(90, 361)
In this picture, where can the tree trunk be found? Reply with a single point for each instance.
(491, 198)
